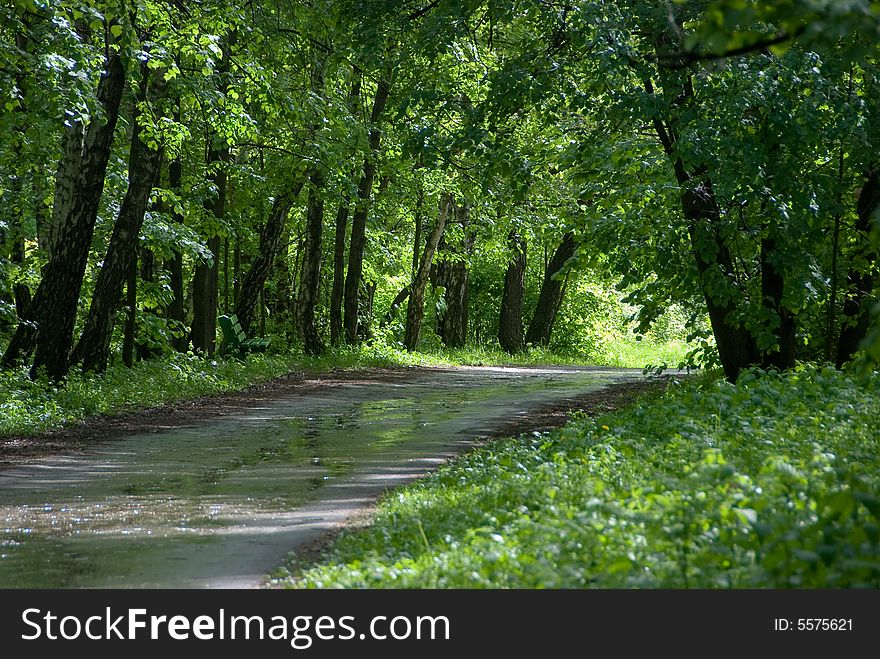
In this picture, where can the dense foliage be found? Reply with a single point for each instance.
(772, 482)
(484, 173)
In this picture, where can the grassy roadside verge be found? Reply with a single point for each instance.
(30, 407)
(774, 482)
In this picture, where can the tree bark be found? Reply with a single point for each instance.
(415, 310)
(131, 315)
(341, 227)
(550, 297)
(359, 220)
(861, 279)
(20, 292)
(147, 347)
(22, 342)
(834, 284)
(279, 294)
(510, 325)
(82, 175)
(176, 311)
(143, 167)
(417, 232)
(206, 282)
(399, 299)
(236, 271)
(772, 290)
(366, 298)
(736, 346)
(310, 278)
(452, 274)
(226, 307)
(261, 265)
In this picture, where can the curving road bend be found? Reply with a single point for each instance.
(221, 504)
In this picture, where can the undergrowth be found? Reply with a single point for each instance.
(773, 482)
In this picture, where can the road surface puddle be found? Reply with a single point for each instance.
(220, 504)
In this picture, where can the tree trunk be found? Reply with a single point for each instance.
(206, 283)
(287, 283)
(510, 324)
(772, 290)
(736, 346)
(143, 167)
(336, 293)
(226, 307)
(861, 281)
(359, 220)
(550, 297)
(281, 301)
(81, 186)
(452, 274)
(20, 292)
(452, 323)
(176, 311)
(310, 278)
(145, 348)
(22, 343)
(131, 315)
(206, 280)
(417, 233)
(261, 265)
(834, 284)
(415, 310)
(366, 298)
(391, 314)
(236, 272)
(341, 226)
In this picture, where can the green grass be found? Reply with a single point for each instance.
(29, 407)
(621, 353)
(773, 482)
(630, 353)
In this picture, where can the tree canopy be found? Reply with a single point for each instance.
(314, 167)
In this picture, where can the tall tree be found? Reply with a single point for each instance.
(310, 278)
(176, 310)
(206, 278)
(451, 272)
(79, 184)
(206, 281)
(144, 162)
(354, 276)
(340, 230)
(415, 310)
(862, 277)
(510, 323)
(16, 230)
(261, 265)
(552, 290)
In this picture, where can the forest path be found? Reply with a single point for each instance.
(220, 502)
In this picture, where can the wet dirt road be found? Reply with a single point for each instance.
(220, 504)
